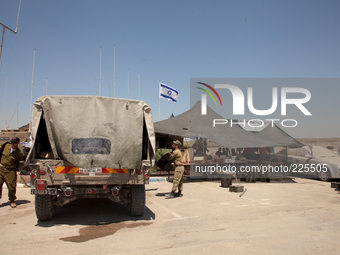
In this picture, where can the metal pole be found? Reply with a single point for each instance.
(108, 74)
(32, 89)
(128, 84)
(17, 106)
(114, 70)
(46, 85)
(4, 27)
(16, 27)
(2, 40)
(6, 104)
(100, 73)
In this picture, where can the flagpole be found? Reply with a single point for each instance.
(174, 108)
(159, 109)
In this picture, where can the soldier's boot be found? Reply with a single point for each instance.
(12, 204)
(179, 194)
(171, 194)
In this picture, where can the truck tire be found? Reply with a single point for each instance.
(137, 203)
(44, 208)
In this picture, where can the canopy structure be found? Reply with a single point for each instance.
(193, 124)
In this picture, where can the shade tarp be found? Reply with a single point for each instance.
(115, 126)
(192, 124)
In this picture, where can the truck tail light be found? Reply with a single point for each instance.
(139, 172)
(146, 176)
(40, 185)
(33, 176)
(42, 172)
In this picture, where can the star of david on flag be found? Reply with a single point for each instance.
(168, 92)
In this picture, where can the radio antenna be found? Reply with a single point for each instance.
(5, 27)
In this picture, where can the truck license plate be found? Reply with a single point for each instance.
(91, 171)
(44, 192)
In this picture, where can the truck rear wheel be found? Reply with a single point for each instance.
(44, 208)
(137, 203)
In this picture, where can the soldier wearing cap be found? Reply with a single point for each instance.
(176, 161)
(11, 156)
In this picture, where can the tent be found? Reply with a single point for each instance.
(192, 124)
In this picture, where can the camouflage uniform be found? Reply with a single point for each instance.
(176, 158)
(8, 167)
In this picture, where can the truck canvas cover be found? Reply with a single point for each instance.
(93, 131)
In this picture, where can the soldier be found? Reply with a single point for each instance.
(200, 147)
(219, 152)
(176, 161)
(11, 155)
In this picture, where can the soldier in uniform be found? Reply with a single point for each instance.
(11, 156)
(175, 157)
(200, 147)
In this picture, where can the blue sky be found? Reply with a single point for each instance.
(164, 41)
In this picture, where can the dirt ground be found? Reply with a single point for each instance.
(322, 142)
(296, 216)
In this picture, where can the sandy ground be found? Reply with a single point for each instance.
(322, 142)
(289, 217)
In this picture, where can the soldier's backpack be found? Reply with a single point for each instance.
(2, 148)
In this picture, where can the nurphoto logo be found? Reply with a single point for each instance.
(238, 100)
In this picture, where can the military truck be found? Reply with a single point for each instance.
(90, 147)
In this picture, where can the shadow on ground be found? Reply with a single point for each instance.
(17, 202)
(94, 212)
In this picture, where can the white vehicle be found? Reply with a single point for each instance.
(317, 162)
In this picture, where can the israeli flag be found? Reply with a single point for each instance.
(168, 92)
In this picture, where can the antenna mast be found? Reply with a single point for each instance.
(6, 104)
(4, 27)
(46, 84)
(114, 70)
(108, 71)
(100, 73)
(32, 91)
